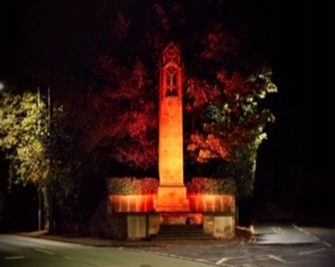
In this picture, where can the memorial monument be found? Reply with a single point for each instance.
(141, 216)
(172, 195)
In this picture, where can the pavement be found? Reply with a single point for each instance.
(243, 235)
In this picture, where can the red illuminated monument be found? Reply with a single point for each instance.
(172, 195)
(140, 216)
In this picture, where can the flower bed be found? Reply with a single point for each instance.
(211, 186)
(211, 195)
(132, 186)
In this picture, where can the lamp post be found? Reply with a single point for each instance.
(49, 105)
(39, 187)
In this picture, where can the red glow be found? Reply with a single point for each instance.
(132, 203)
(212, 203)
(172, 192)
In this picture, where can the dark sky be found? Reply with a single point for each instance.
(299, 38)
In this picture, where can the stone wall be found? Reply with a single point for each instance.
(221, 226)
(107, 223)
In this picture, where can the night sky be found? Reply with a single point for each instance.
(299, 39)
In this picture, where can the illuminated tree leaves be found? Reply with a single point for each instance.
(22, 127)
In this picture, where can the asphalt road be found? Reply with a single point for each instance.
(19, 251)
(274, 245)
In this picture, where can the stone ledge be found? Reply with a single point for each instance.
(132, 203)
(212, 203)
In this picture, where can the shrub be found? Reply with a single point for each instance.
(132, 186)
(211, 186)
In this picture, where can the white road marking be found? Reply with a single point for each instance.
(311, 251)
(327, 244)
(277, 258)
(301, 230)
(227, 258)
(315, 237)
(44, 251)
(68, 258)
(14, 258)
(221, 261)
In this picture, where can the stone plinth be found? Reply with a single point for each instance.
(137, 225)
(172, 199)
(154, 222)
(212, 203)
(219, 214)
(219, 225)
(132, 203)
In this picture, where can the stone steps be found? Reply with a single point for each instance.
(182, 232)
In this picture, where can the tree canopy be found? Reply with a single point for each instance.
(23, 129)
(225, 79)
(110, 101)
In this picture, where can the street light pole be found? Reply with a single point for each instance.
(39, 187)
(51, 210)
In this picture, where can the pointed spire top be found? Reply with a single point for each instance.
(171, 53)
(171, 46)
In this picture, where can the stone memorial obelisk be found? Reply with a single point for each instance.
(172, 196)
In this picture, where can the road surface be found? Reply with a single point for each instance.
(275, 245)
(19, 251)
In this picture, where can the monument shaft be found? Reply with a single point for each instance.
(172, 192)
(170, 137)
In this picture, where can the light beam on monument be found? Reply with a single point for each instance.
(172, 195)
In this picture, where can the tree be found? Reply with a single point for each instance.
(22, 129)
(225, 80)
(232, 127)
(126, 114)
(77, 179)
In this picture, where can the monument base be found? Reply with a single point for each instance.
(172, 199)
